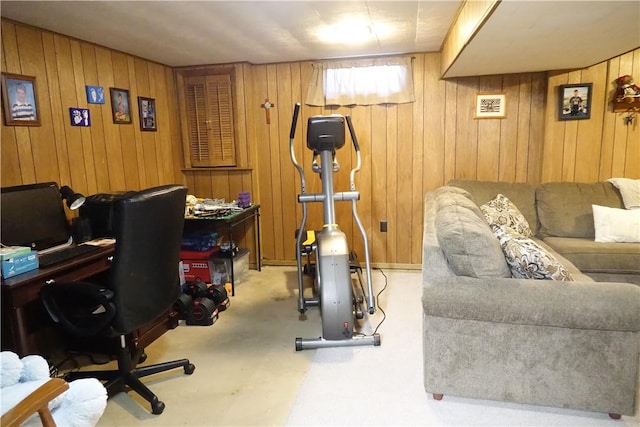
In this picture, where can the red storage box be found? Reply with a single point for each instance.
(199, 265)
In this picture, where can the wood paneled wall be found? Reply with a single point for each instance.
(601, 147)
(105, 156)
(406, 149)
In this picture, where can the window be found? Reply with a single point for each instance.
(362, 82)
(210, 120)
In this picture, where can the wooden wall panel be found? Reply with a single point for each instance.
(406, 149)
(103, 157)
(601, 147)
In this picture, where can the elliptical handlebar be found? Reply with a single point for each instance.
(294, 121)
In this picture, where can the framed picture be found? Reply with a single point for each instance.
(80, 116)
(20, 102)
(95, 94)
(574, 101)
(120, 105)
(147, 111)
(490, 105)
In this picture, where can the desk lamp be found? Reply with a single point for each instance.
(74, 200)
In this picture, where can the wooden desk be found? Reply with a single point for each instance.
(20, 297)
(230, 222)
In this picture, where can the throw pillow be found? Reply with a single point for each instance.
(616, 225)
(527, 259)
(502, 212)
(629, 190)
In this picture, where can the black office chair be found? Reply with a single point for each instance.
(143, 284)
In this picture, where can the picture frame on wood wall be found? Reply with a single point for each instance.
(490, 105)
(147, 112)
(120, 105)
(19, 100)
(574, 101)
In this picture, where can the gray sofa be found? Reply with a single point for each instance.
(488, 335)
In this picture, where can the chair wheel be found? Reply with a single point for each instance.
(188, 369)
(143, 357)
(157, 407)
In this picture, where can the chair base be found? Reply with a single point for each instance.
(127, 376)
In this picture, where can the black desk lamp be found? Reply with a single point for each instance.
(74, 200)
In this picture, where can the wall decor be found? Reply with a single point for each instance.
(147, 111)
(95, 94)
(20, 102)
(120, 105)
(490, 105)
(574, 101)
(80, 116)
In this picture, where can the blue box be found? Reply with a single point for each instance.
(19, 264)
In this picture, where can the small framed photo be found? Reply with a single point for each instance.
(147, 111)
(80, 116)
(120, 105)
(574, 101)
(490, 105)
(20, 102)
(95, 95)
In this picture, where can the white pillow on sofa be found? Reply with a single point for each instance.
(616, 225)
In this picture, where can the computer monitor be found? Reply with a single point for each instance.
(33, 215)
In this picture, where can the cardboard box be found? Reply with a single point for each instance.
(19, 264)
(12, 251)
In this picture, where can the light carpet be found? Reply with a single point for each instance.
(383, 385)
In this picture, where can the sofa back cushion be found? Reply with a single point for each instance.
(564, 208)
(522, 195)
(465, 238)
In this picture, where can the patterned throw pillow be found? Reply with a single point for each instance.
(502, 212)
(527, 259)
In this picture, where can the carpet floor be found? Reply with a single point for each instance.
(248, 372)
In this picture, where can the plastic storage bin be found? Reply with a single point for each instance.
(240, 266)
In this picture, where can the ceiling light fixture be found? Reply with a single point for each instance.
(351, 31)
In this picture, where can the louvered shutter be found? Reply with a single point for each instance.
(210, 120)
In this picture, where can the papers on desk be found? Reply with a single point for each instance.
(100, 242)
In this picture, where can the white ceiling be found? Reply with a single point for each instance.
(520, 36)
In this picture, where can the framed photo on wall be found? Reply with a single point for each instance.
(490, 105)
(574, 101)
(95, 95)
(147, 111)
(120, 105)
(20, 102)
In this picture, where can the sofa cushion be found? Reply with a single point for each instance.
(465, 238)
(590, 256)
(629, 190)
(564, 208)
(616, 225)
(527, 259)
(522, 195)
(502, 212)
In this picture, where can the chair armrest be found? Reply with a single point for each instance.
(36, 401)
(82, 308)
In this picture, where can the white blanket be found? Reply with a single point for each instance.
(630, 191)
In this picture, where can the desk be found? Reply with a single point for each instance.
(230, 222)
(22, 291)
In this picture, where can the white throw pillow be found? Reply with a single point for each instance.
(502, 212)
(629, 190)
(616, 225)
(527, 259)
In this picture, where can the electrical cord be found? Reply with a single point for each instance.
(384, 315)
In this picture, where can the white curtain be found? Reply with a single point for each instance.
(361, 82)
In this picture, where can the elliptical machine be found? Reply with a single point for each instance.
(339, 297)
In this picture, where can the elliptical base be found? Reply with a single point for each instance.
(306, 344)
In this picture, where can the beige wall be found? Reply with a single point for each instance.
(407, 149)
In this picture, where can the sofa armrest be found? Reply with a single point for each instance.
(576, 305)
